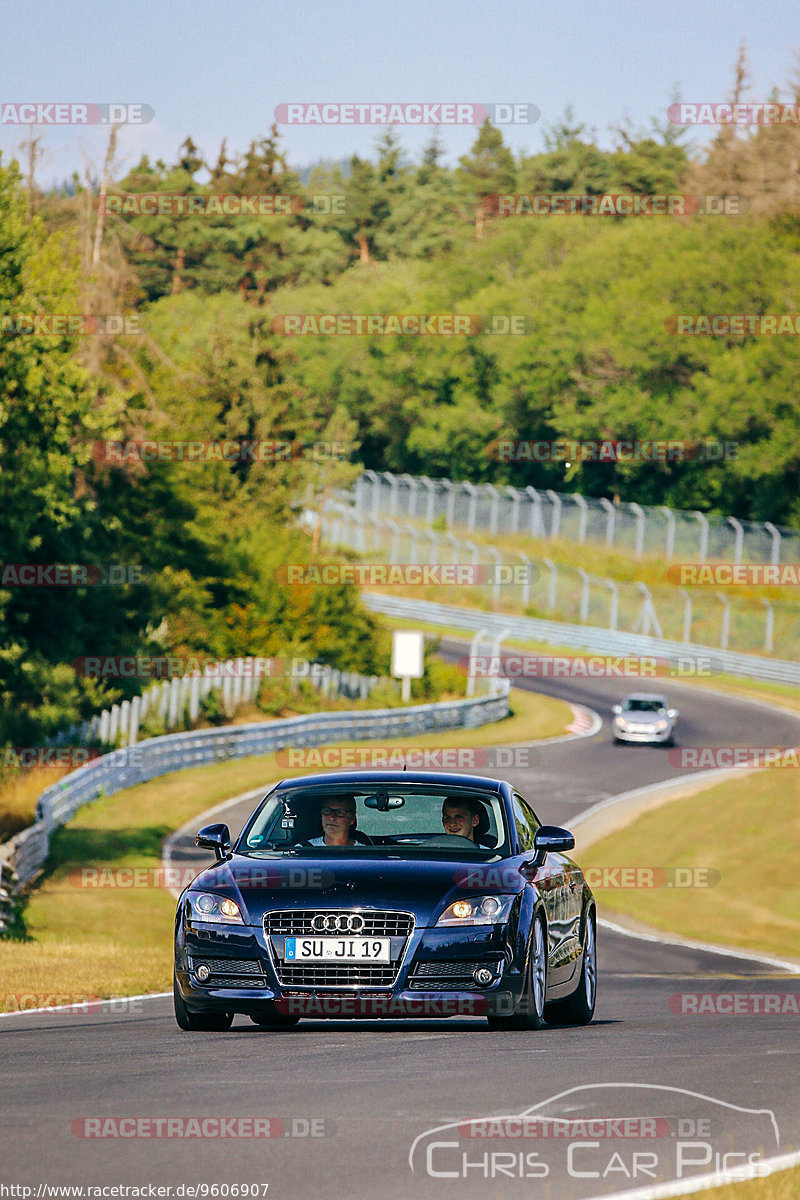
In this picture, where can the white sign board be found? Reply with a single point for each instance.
(407, 654)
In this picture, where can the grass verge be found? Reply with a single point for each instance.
(783, 1186)
(746, 830)
(101, 942)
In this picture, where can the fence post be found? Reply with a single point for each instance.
(551, 598)
(670, 530)
(472, 492)
(450, 503)
(639, 512)
(494, 509)
(774, 532)
(769, 626)
(413, 488)
(703, 519)
(515, 502)
(611, 519)
(133, 729)
(584, 507)
(726, 621)
(738, 544)
(537, 525)
(687, 615)
(526, 583)
(430, 487)
(555, 500)
(613, 615)
(584, 617)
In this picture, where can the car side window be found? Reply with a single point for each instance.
(526, 825)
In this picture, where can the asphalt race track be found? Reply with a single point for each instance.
(354, 1099)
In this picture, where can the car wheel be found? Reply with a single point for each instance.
(269, 1015)
(212, 1022)
(578, 1009)
(531, 1007)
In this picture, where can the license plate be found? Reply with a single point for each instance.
(337, 949)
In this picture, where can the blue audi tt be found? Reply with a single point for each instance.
(387, 894)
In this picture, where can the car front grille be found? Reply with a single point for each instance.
(297, 923)
(322, 975)
(446, 976)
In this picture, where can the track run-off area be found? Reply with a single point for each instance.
(391, 1109)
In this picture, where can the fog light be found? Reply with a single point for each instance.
(203, 972)
(483, 976)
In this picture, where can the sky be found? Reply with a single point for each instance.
(217, 70)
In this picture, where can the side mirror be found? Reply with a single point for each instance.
(553, 839)
(672, 713)
(216, 838)
(617, 709)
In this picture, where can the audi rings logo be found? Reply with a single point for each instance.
(337, 923)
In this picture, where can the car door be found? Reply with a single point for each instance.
(552, 882)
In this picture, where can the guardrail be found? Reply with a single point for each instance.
(586, 637)
(26, 852)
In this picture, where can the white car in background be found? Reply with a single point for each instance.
(644, 717)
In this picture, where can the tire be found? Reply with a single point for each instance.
(189, 1022)
(269, 1015)
(578, 1009)
(531, 1008)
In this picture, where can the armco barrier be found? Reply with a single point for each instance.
(26, 852)
(585, 637)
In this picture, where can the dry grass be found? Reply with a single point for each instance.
(783, 1186)
(18, 795)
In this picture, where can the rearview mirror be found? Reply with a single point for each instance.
(383, 801)
(672, 713)
(216, 838)
(617, 709)
(552, 839)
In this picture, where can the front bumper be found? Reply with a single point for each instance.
(434, 976)
(651, 737)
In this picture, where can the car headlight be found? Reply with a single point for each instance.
(207, 906)
(477, 910)
(620, 721)
(662, 726)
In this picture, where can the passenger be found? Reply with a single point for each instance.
(338, 822)
(461, 817)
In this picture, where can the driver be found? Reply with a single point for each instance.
(461, 817)
(338, 822)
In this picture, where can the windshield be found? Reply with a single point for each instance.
(377, 819)
(644, 706)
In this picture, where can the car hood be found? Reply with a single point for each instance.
(421, 886)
